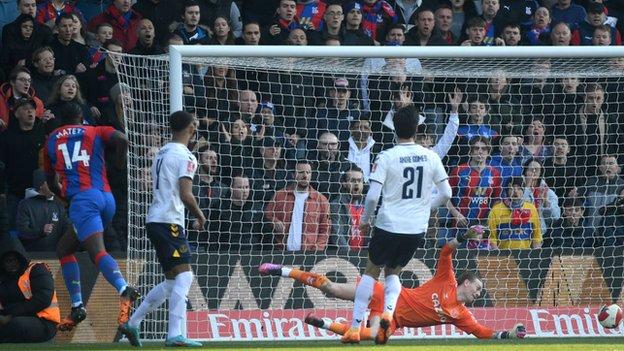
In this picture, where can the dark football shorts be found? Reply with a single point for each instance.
(393, 250)
(171, 244)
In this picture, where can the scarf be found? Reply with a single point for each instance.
(374, 14)
(123, 19)
(356, 241)
(519, 215)
(283, 24)
(48, 12)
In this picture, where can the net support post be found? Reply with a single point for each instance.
(175, 79)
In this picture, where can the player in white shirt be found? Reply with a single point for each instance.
(173, 170)
(405, 174)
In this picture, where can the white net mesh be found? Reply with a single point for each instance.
(554, 122)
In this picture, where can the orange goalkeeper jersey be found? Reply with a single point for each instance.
(433, 303)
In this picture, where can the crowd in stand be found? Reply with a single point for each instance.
(285, 159)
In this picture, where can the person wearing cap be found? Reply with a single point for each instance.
(41, 218)
(338, 113)
(353, 32)
(268, 127)
(596, 17)
(19, 151)
(270, 176)
(569, 12)
(29, 310)
(513, 222)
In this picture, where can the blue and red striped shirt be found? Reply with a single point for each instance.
(76, 154)
(475, 192)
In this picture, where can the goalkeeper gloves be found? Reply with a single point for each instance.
(475, 232)
(517, 332)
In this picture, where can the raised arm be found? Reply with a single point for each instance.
(450, 132)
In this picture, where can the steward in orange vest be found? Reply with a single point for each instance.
(29, 310)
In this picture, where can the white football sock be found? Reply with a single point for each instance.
(286, 271)
(177, 303)
(392, 290)
(155, 297)
(363, 294)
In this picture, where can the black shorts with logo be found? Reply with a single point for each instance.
(393, 250)
(171, 244)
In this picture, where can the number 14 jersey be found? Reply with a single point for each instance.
(76, 154)
(173, 161)
(407, 173)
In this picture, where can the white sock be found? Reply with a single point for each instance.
(177, 303)
(392, 290)
(155, 297)
(363, 294)
(286, 271)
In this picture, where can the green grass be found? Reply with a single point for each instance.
(531, 344)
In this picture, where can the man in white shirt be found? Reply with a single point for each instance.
(405, 175)
(173, 170)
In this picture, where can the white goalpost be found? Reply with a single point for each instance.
(550, 115)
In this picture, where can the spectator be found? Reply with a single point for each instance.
(354, 34)
(596, 17)
(519, 11)
(407, 11)
(444, 24)
(475, 30)
(67, 90)
(493, 22)
(331, 27)
(267, 128)
(463, 11)
(540, 27)
(125, 23)
(560, 35)
(337, 115)
(508, 162)
(612, 233)
(534, 142)
(295, 145)
(207, 187)
(146, 43)
(228, 9)
(248, 108)
(70, 56)
(425, 32)
(566, 100)
(477, 186)
(162, 13)
(269, 174)
(17, 88)
(222, 32)
(347, 208)
(361, 147)
(601, 36)
(395, 35)
(99, 80)
(91, 8)
(19, 46)
(285, 21)
(221, 95)
(80, 33)
(512, 35)
(514, 222)
(44, 76)
(311, 13)
(568, 12)
(104, 33)
(113, 115)
(476, 126)
(537, 191)
(378, 15)
(49, 10)
(8, 13)
(569, 232)
(297, 37)
(19, 151)
(536, 95)
(560, 173)
(13, 30)
(300, 214)
(235, 150)
(30, 311)
(328, 165)
(251, 34)
(41, 219)
(601, 190)
(503, 111)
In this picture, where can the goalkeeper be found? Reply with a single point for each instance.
(441, 300)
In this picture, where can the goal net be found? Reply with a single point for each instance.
(550, 125)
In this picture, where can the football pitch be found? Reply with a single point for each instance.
(531, 344)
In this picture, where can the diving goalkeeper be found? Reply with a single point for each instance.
(441, 300)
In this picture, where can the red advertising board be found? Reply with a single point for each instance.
(289, 325)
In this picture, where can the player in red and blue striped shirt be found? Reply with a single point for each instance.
(477, 186)
(75, 154)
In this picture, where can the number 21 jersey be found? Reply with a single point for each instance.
(76, 154)
(407, 173)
